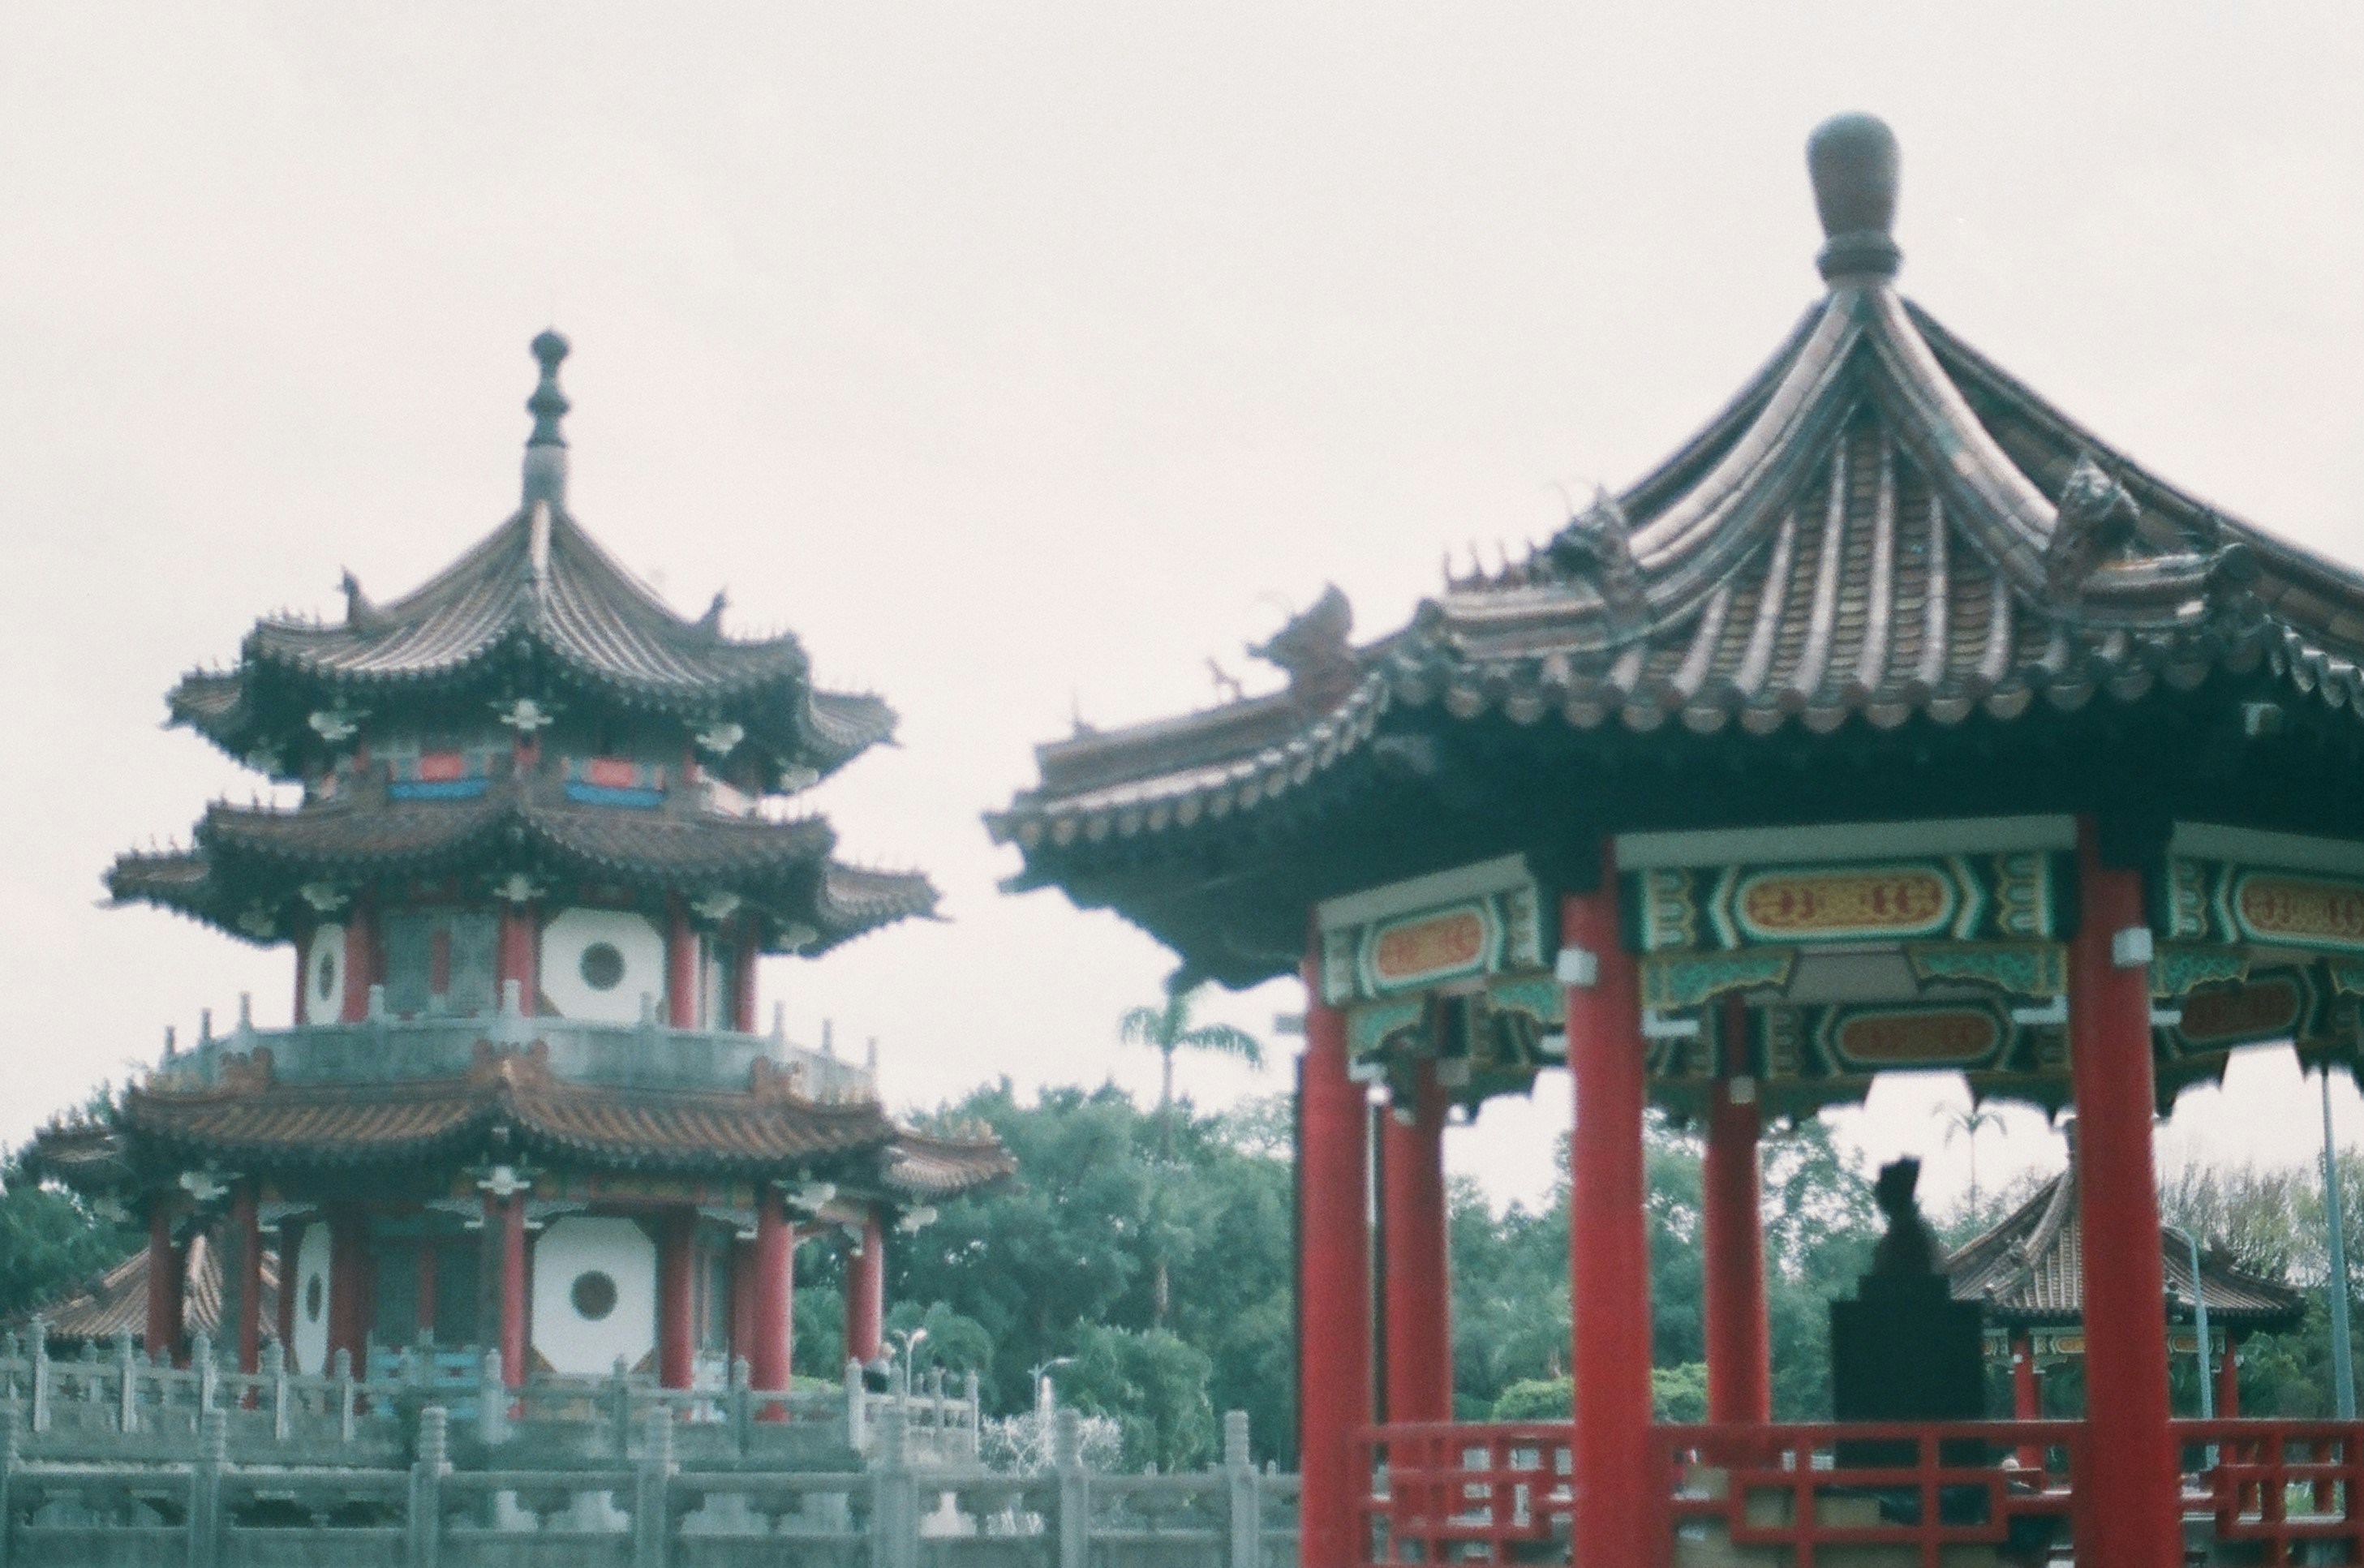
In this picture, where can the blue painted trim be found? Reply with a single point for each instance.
(437, 789)
(608, 795)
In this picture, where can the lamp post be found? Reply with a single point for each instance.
(1044, 1394)
(2200, 1324)
(2343, 1375)
(908, 1340)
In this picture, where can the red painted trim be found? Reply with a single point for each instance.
(509, 1215)
(1731, 1257)
(677, 1297)
(865, 1296)
(681, 965)
(163, 1327)
(2131, 1511)
(348, 1285)
(361, 959)
(1333, 1286)
(1617, 1513)
(246, 1229)
(1418, 1286)
(518, 955)
(771, 1305)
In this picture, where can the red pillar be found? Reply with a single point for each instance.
(1732, 1262)
(1418, 1264)
(519, 954)
(681, 965)
(865, 1296)
(742, 984)
(509, 1215)
(1333, 1294)
(2026, 1398)
(771, 1302)
(290, 1242)
(677, 1297)
(2228, 1381)
(361, 960)
(2132, 1507)
(1609, 1264)
(163, 1333)
(246, 1257)
(348, 1285)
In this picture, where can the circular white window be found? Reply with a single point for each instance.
(324, 976)
(594, 1295)
(602, 967)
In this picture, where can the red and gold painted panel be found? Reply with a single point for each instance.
(2013, 898)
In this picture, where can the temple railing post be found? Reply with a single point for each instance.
(434, 1462)
(1244, 1494)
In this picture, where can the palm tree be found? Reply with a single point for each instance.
(1968, 1122)
(1168, 1028)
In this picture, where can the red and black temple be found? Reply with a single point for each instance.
(544, 835)
(1895, 722)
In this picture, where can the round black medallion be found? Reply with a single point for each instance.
(602, 966)
(594, 1294)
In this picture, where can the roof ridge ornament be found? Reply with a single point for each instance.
(1597, 544)
(545, 449)
(1316, 649)
(2095, 518)
(1852, 160)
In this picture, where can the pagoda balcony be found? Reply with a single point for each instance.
(383, 1048)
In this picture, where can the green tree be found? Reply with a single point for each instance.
(1154, 1384)
(1168, 1028)
(1967, 1122)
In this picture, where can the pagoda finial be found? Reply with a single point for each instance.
(545, 449)
(1852, 158)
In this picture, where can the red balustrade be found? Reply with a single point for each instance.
(2278, 1484)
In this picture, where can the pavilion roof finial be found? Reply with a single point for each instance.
(1852, 158)
(545, 449)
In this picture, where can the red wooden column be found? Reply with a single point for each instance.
(246, 1257)
(163, 1332)
(865, 1296)
(771, 1301)
(1731, 1255)
(2228, 1381)
(291, 1243)
(742, 983)
(349, 1284)
(505, 1220)
(518, 955)
(1418, 1286)
(1609, 1266)
(361, 959)
(1333, 1289)
(681, 965)
(677, 1297)
(2130, 1506)
(2027, 1394)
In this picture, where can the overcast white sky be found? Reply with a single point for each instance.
(1023, 356)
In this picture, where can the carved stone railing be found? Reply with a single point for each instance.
(645, 1054)
(652, 1508)
(114, 1403)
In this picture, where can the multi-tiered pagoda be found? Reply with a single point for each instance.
(524, 1103)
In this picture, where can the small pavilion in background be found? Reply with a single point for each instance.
(1895, 722)
(539, 837)
(2028, 1272)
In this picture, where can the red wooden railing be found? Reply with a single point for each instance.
(2278, 1484)
(2279, 1492)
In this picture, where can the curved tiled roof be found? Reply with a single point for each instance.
(1881, 526)
(378, 1126)
(537, 588)
(244, 871)
(2029, 1270)
(116, 1304)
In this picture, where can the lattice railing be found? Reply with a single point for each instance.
(2276, 1486)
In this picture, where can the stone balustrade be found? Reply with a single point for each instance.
(447, 1502)
(646, 1054)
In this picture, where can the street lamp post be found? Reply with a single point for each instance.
(2200, 1324)
(1044, 1394)
(2343, 1375)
